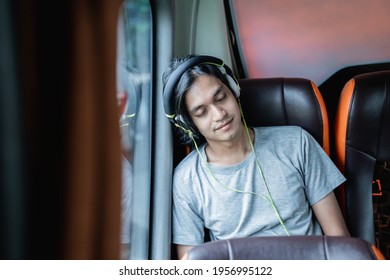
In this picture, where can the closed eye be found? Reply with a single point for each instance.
(200, 113)
(221, 96)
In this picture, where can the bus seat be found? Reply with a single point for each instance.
(286, 248)
(362, 134)
(286, 101)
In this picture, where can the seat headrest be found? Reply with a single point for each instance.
(282, 101)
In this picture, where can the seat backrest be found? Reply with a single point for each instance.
(286, 248)
(285, 101)
(362, 134)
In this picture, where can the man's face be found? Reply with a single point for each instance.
(214, 109)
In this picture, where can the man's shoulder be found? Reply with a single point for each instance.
(279, 130)
(279, 136)
(189, 160)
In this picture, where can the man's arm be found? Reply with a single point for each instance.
(182, 250)
(329, 216)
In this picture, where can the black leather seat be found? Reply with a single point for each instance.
(286, 248)
(286, 101)
(362, 141)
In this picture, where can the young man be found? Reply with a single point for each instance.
(242, 181)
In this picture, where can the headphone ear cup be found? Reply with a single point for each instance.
(179, 119)
(182, 124)
(233, 85)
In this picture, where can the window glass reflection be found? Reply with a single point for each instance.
(133, 78)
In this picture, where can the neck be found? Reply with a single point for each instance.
(230, 152)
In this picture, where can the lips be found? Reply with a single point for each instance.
(224, 125)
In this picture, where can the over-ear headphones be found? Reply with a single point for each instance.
(170, 86)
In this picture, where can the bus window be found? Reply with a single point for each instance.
(133, 98)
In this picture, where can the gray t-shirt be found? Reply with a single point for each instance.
(234, 202)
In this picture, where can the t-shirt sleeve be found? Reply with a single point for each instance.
(321, 175)
(188, 225)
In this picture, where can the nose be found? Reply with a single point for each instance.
(219, 113)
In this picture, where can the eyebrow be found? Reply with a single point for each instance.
(196, 108)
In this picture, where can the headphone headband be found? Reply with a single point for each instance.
(175, 77)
